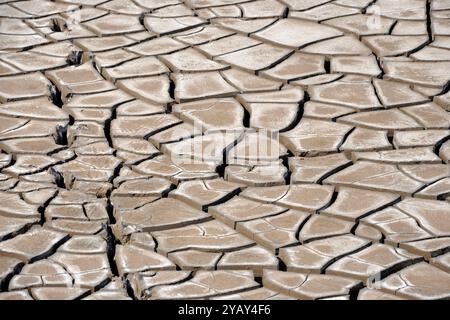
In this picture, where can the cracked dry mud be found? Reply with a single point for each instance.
(133, 159)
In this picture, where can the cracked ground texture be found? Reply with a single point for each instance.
(132, 154)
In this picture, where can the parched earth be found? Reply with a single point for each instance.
(225, 149)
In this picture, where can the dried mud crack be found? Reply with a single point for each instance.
(225, 149)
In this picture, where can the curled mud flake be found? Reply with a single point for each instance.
(224, 149)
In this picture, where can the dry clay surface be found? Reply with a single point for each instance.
(225, 149)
